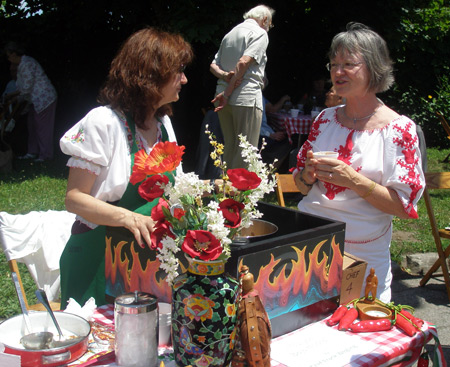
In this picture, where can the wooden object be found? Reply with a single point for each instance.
(440, 180)
(373, 311)
(370, 293)
(56, 306)
(446, 127)
(285, 184)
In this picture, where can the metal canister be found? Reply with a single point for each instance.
(136, 323)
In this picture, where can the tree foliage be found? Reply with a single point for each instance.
(76, 40)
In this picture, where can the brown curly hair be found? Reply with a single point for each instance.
(145, 63)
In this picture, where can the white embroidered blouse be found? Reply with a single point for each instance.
(389, 156)
(101, 143)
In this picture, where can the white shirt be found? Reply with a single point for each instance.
(248, 39)
(100, 143)
(389, 156)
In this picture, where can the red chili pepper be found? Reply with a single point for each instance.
(405, 325)
(371, 325)
(415, 320)
(348, 319)
(423, 360)
(337, 316)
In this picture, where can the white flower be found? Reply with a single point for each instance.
(198, 212)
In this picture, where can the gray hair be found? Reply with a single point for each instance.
(260, 12)
(361, 39)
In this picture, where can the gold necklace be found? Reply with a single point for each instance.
(365, 117)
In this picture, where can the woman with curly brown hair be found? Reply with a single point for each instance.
(146, 75)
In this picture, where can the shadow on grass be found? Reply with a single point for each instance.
(24, 169)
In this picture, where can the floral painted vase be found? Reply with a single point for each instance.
(204, 315)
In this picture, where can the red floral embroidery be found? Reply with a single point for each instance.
(315, 132)
(345, 155)
(409, 163)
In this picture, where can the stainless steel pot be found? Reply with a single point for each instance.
(11, 330)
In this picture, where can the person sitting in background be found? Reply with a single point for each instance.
(378, 172)
(277, 143)
(146, 75)
(332, 99)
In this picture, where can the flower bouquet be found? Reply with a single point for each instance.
(191, 215)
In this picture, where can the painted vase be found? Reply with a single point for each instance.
(204, 315)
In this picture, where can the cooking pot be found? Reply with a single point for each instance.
(12, 329)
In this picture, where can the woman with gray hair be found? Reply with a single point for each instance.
(377, 173)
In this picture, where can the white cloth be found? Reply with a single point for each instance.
(390, 157)
(100, 143)
(37, 239)
(248, 39)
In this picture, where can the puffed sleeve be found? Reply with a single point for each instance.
(90, 142)
(403, 164)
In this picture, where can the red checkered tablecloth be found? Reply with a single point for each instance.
(292, 125)
(393, 347)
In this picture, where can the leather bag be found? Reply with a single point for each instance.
(255, 331)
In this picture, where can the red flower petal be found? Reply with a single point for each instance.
(243, 179)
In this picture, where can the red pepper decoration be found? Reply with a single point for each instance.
(424, 360)
(348, 319)
(371, 326)
(337, 316)
(407, 322)
(415, 320)
(405, 325)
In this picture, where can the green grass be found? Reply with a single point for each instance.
(42, 187)
(29, 187)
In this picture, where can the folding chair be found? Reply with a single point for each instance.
(439, 180)
(285, 184)
(446, 127)
(13, 266)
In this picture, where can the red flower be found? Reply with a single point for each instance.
(157, 212)
(151, 188)
(164, 157)
(242, 179)
(201, 244)
(231, 211)
(162, 229)
(178, 213)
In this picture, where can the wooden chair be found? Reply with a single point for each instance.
(36, 307)
(446, 127)
(285, 184)
(439, 180)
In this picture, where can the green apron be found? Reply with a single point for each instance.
(82, 263)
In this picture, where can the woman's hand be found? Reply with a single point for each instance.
(141, 226)
(310, 171)
(81, 202)
(334, 171)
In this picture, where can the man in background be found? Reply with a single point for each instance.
(239, 66)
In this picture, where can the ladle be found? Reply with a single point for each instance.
(33, 341)
(62, 341)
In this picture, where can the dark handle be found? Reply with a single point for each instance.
(42, 297)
